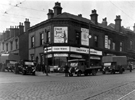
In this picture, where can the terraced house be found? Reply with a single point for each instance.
(66, 36)
(14, 42)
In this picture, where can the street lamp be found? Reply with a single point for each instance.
(89, 36)
(46, 59)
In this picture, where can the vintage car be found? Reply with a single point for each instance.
(25, 67)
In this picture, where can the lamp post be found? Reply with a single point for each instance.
(46, 59)
(89, 36)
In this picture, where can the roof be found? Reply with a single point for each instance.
(68, 15)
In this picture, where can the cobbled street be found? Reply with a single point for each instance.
(57, 87)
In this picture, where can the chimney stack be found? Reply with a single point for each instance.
(26, 24)
(57, 9)
(94, 17)
(50, 14)
(80, 15)
(12, 31)
(21, 28)
(104, 22)
(118, 23)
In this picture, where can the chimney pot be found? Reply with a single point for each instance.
(57, 9)
(94, 16)
(118, 23)
(80, 15)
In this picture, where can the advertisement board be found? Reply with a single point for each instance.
(85, 36)
(60, 34)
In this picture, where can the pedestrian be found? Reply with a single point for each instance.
(66, 70)
(130, 67)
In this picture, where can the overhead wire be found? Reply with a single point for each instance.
(121, 10)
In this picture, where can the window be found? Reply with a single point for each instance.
(32, 41)
(96, 41)
(106, 41)
(48, 40)
(113, 45)
(121, 46)
(16, 43)
(11, 45)
(32, 56)
(109, 44)
(6, 46)
(41, 38)
(3, 46)
(131, 44)
(78, 38)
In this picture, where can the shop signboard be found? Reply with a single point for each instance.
(85, 36)
(95, 52)
(60, 48)
(60, 55)
(76, 56)
(79, 50)
(60, 34)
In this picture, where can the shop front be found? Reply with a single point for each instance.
(59, 55)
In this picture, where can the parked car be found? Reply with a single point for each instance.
(25, 67)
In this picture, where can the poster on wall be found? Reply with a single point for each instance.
(60, 34)
(85, 36)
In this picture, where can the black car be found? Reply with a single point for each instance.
(25, 67)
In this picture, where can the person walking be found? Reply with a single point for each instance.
(66, 70)
(130, 67)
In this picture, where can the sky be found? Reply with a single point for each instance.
(14, 11)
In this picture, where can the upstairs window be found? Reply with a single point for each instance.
(11, 45)
(48, 37)
(113, 46)
(16, 43)
(121, 46)
(6, 46)
(41, 38)
(131, 44)
(32, 41)
(78, 38)
(106, 41)
(96, 41)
